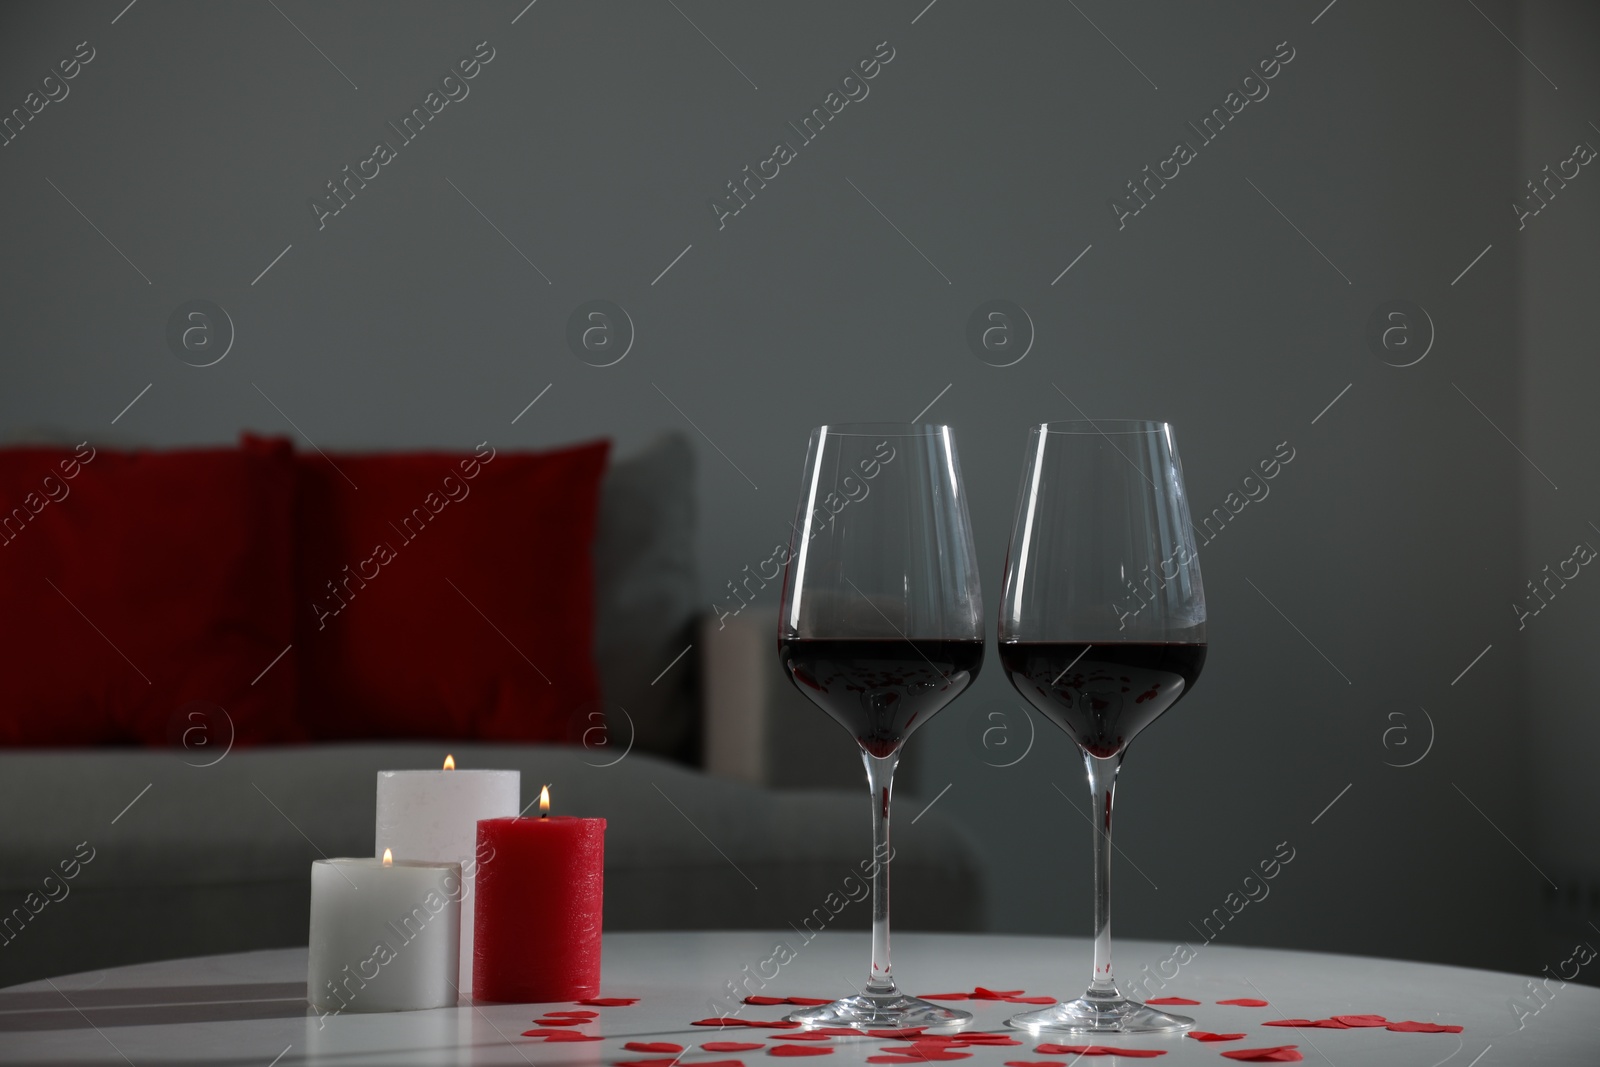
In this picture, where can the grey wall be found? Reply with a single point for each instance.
(1559, 279)
(1388, 549)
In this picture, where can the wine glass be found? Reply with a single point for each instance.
(1102, 628)
(881, 626)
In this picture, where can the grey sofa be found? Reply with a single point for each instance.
(178, 853)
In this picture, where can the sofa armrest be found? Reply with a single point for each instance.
(756, 727)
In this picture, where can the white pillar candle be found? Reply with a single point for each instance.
(384, 937)
(433, 815)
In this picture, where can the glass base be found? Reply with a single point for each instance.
(887, 1011)
(1114, 1014)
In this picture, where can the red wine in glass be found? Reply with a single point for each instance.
(881, 690)
(1102, 695)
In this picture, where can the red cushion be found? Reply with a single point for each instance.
(133, 584)
(447, 595)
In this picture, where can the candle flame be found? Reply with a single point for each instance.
(388, 857)
(449, 762)
(544, 802)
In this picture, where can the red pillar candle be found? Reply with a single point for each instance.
(537, 924)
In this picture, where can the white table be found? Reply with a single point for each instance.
(248, 1008)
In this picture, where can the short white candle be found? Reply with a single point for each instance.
(433, 815)
(384, 937)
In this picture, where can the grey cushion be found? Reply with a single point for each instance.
(646, 599)
(215, 859)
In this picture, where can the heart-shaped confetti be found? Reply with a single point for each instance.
(766, 1001)
(926, 1052)
(549, 1034)
(1244, 1002)
(809, 1036)
(646, 1063)
(734, 1020)
(610, 1002)
(898, 1033)
(809, 1002)
(982, 1039)
(561, 1022)
(574, 1037)
(731, 1046)
(1100, 1050)
(1171, 1000)
(1423, 1028)
(1205, 1035)
(799, 1050)
(572, 1014)
(652, 1046)
(1361, 1020)
(1012, 996)
(1276, 1054)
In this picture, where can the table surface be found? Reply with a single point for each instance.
(248, 1008)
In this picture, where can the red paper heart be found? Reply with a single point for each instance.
(1030, 1000)
(766, 1001)
(652, 1046)
(1245, 1002)
(811, 1036)
(610, 1002)
(922, 1048)
(1100, 1050)
(575, 1037)
(980, 993)
(546, 1033)
(1203, 1035)
(1276, 1054)
(799, 1050)
(1172, 1000)
(645, 1063)
(1423, 1028)
(554, 1020)
(730, 1046)
(1309, 1024)
(734, 1020)
(926, 1053)
(1361, 1020)
(984, 1039)
(897, 1034)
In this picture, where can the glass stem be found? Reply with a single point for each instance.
(1102, 774)
(880, 780)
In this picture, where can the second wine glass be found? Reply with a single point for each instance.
(881, 626)
(1102, 629)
